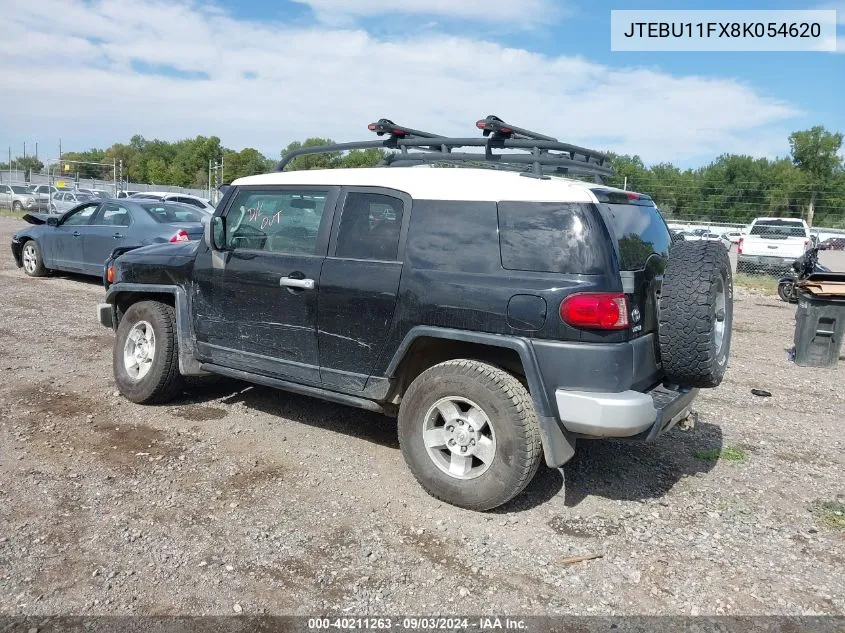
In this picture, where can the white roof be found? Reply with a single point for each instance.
(438, 183)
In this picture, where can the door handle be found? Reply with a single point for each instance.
(118, 236)
(301, 284)
(76, 233)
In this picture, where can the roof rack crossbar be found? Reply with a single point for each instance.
(502, 144)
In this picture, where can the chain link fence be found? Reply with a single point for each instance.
(19, 177)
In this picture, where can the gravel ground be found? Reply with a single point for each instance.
(241, 499)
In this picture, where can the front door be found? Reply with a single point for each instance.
(63, 245)
(255, 301)
(359, 284)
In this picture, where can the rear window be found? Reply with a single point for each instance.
(555, 237)
(779, 229)
(640, 232)
(170, 213)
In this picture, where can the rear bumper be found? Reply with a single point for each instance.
(766, 261)
(623, 414)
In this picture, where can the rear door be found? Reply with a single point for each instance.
(108, 230)
(642, 241)
(255, 302)
(359, 284)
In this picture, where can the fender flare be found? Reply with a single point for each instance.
(189, 365)
(558, 444)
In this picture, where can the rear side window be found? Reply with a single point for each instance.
(169, 213)
(369, 227)
(779, 229)
(555, 237)
(639, 231)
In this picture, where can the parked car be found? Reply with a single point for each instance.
(18, 198)
(45, 193)
(81, 239)
(501, 317)
(707, 236)
(95, 193)
(772, 245)
(65, 200)
(125, 194)
(834, 244)
(165, 196)
(733, 236)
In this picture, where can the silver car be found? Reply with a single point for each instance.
(66, 200)
(18, 198)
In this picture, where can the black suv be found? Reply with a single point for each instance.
(500, 315)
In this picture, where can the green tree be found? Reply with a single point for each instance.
(816, 153)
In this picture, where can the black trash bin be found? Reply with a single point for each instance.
(819, 329)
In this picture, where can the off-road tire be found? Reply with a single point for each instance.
(688, 316)
(510, 411)
(40, 270)
(163, 382)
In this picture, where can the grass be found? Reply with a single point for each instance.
(768, 285)
(728, 453)
(830, 513)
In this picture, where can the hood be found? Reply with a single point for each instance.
(36, 218)
(165, 250)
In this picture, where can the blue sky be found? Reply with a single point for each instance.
(265, 73)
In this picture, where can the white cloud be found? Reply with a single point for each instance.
(73, 78)
(512, 11)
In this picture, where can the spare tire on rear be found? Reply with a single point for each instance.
(696, 314)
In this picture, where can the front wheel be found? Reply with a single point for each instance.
(786, 290)
(146, 356)
(469, 433)
(33, 262)
(17, 206)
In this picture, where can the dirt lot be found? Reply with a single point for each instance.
(240, 498)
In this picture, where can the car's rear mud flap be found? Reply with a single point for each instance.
(558, 445)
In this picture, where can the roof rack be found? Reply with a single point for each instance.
(530, 150)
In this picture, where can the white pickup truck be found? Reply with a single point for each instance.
(772, 244)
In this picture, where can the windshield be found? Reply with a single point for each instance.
(19, 189)
(779, 229)
(167, 213)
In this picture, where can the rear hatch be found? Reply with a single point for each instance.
(641, 242)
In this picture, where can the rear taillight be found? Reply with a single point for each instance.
(595, 310)
(181, 236)
(739, 247)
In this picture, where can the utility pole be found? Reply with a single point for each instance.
(121, 175)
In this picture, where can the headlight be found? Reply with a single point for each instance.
(30, 200)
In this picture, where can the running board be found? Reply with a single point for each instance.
(316, 392)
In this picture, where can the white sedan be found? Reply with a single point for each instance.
(169, 196)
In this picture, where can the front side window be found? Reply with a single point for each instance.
(369, 227)
(277, 221)
(80, 216)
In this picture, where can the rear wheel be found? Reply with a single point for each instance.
(146, 357)
(17, 206)
(696, 314)
(469, 433)
(33, 263)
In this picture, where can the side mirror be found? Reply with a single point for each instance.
(52, 221)
(213, 231)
